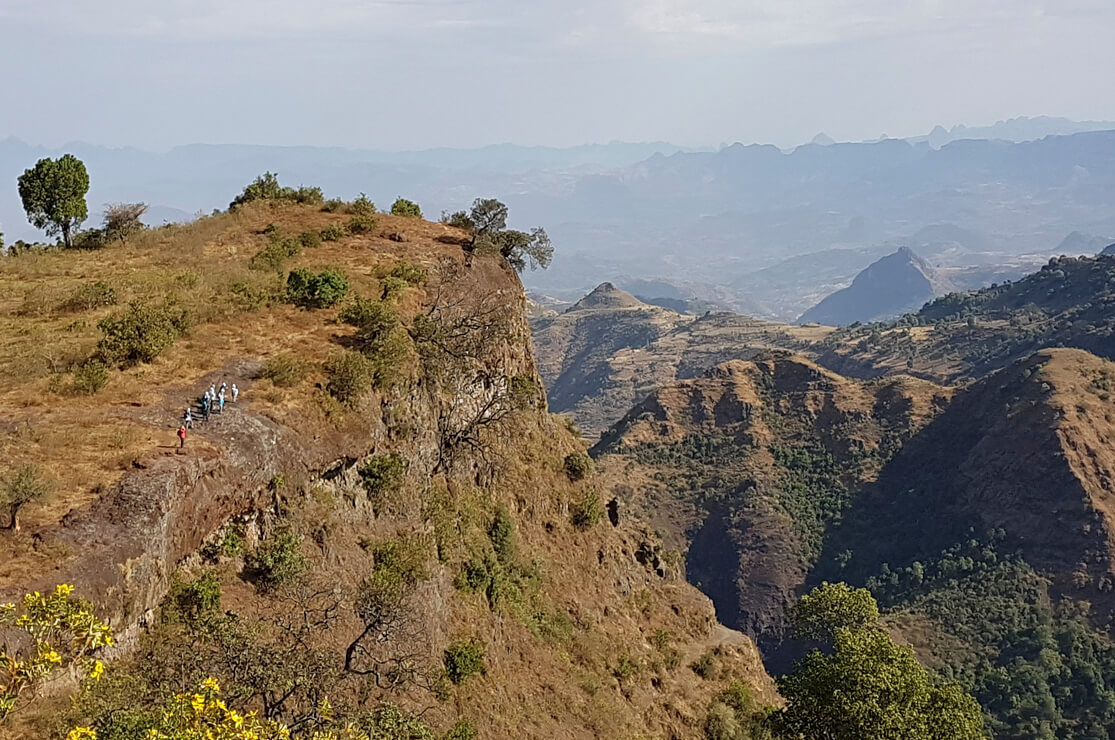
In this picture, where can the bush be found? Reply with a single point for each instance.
(578, 465)
(247, 296)
(284, 370)
(275, 255)
(333, 232)
(457, 219)
(90, 377)
(308, 195)
(464, 658)
(267, 187)
(88, 297)
(333, 205)
(315, 290)
(705, 666)
(350, 375)
(310, 239)
(362, 224)
(462, 729)
(277, 561)
(382, 475)
(587, 511)
(409, 273)
(361, 207)
(188, 602)
(141, 333)
(501, 532)
(404, 207)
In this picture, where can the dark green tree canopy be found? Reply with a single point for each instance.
(53, 195)
(866, 687)
(487, 222)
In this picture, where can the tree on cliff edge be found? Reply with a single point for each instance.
(487, 223)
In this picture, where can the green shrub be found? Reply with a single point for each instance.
(90, 239)
(275, 255)
(284, 370)
(501, 532)
(462, 729)
(333, 205)
(90, 377)
(578, 465)
(315, 290)
(308, 195)
(705, 666)
(333, 232)
(264, 187)
(393, 286)
(310, 239)
(523, 391)
(190, 601)
(349, 375)
(404, 207)
(587, 511)
(409, 273)
(374, 320)
(277, 561)
(267, 187)
(382, 475)
(361, 207)
(89, 296)
(464, 658)
(362, 224)
(141, 333)
(247, 296)
(458, 219)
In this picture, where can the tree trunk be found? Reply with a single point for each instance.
(67, 237)
(13, 522)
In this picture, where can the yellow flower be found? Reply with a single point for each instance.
(97, 670)
(64, 589)
(197, 701)
(210, 684)
(52, 657)
(82, 733)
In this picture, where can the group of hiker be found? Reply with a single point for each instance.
(212, 400)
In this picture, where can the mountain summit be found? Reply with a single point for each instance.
(889, 287)
(607, 295)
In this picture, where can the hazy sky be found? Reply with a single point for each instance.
(420, 73)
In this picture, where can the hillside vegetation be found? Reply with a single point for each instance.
(983, 523)
(962, 336)
(381, 537)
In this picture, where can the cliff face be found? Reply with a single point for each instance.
(748, 464)
(589, 616)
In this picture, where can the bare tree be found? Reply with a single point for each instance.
(122, 220)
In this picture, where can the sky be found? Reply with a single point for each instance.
(412, 74)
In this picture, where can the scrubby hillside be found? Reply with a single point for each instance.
(984, 524)
(989, 539)
(961, 336)
(747, 466)
(385, 516)
(608, 352)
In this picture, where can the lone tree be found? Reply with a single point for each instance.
(53, 195)
(487, 223)
(22, 486)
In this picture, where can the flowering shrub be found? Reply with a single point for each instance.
(63, 631)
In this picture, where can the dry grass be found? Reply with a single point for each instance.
(85, 443)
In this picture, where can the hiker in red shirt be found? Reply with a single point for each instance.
(181, 439)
